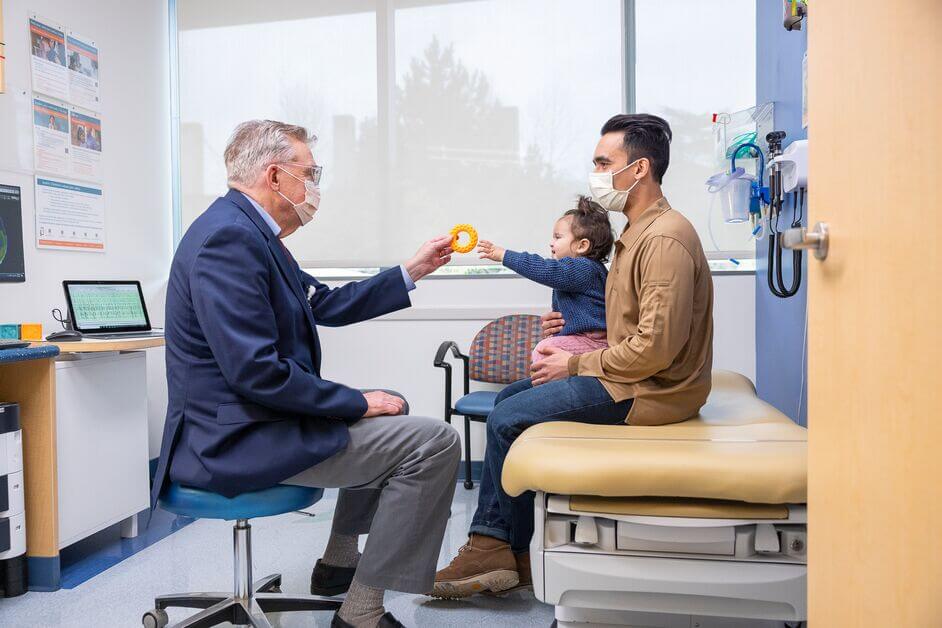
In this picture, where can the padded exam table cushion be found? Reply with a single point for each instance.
(738, 448)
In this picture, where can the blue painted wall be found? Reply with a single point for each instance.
(780, 323)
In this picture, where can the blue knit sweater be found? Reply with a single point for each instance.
(578, 285)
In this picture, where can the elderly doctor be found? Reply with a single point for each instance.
(248, 407)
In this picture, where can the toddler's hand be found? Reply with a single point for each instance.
(488, 250)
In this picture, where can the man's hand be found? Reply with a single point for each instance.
(488, 250)
(381, 404)
(553, 323)
(553, 366)
(430, 257)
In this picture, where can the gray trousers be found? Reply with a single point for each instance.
(397, 478)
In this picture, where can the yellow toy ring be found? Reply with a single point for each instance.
(472, 234)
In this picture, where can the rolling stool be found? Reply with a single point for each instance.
(249, 602)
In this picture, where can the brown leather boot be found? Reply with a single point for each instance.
(483, 564)
(523, 573)
(523, 569)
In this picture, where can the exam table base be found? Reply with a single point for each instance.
(598, 586)
(569, 617)
(593, 591)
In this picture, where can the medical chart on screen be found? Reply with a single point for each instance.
(48, 58)
(51, 137)
(85, 145)
(69, 215)
(82, 54)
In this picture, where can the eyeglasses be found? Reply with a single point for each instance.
(311, 172)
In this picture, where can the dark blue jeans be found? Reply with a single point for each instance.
(519, 406)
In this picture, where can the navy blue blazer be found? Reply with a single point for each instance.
(247, 405)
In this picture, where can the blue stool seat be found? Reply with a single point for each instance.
(200, 504)
(479, 403)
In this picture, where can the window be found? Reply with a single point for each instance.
(432, 113)
(694, 59)
(314, 65)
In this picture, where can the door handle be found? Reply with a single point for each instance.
(801, 238)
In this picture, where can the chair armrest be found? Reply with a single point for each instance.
(443, 349)
(439, 362)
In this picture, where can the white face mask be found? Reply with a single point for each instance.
(312, 198)
(602, 189)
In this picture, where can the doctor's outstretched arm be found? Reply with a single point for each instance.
(386, 292)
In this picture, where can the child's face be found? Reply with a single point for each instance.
(564, 244)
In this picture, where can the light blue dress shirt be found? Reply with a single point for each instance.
(276, 229)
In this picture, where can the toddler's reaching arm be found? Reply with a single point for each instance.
(572, 274)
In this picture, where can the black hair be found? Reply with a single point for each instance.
(590, 221)
(645, 135)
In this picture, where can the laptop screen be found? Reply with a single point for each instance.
(107, 306)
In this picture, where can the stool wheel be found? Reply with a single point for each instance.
(468, 484)
(156, 618)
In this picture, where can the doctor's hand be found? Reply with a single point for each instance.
(553, 323)
(553, 366)
(382, 404)
(430, 257)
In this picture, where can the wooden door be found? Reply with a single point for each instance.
(875, 317)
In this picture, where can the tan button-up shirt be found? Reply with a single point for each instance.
(659, 312)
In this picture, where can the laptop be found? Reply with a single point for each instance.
(108, 309)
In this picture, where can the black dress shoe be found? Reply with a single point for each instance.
(329, 580)
(386, 621)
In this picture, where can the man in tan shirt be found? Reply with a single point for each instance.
(656, 370)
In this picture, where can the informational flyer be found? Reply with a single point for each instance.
(47, 48)
(85, 132)
(69, 216)
(51, 137)
(83, 72)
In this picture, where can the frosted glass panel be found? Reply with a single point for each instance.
(435, 113)
(695, 59)
(317, 70)
(428, 115)
(499, 106)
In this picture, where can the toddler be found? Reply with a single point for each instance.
(582, 241)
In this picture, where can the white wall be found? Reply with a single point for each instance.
(133, 40)
(396, 351)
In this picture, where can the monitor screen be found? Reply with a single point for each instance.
(12, 267)
(107, 306)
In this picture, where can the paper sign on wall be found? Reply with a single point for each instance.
(51, 137)
(85, 134)
(83, 72)
(69, 216)
(47, 57)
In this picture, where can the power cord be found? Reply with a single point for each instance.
(777, 284)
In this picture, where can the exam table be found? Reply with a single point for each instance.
(700, 523)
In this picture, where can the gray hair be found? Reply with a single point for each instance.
(256, 144)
